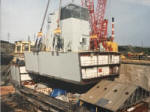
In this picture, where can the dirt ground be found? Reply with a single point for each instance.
(16, 103)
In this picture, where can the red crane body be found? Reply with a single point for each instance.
(97, 22)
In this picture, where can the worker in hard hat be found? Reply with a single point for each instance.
(38, 43)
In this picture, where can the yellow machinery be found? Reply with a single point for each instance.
(93, 36)
(21, 46)
(57, 31)
(112, 46)
(40, 34)
(135, 54)
(123, 57)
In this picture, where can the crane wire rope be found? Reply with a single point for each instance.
(46, 10)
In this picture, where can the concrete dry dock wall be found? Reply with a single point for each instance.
(19, 75)
(138, 74)
(15, 75)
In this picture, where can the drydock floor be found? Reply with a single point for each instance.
(16, 103)
(28, 100)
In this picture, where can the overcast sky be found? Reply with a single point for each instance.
(21, 18)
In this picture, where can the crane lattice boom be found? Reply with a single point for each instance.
(97, 22)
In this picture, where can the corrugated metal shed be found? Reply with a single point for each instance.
(110, 95)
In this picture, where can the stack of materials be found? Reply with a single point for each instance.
(73, 98)
(5, 90)
(42, 89)
(45, 91)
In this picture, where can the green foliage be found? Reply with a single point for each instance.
(134, 49)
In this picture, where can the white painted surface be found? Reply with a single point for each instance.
(99, 60)
(25, 77)
(103, 59)
(22, 69)
(95, 72)
(115, 59)
(65, 66)
(73, 30)
(88, 60)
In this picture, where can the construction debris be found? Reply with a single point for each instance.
(5, 90)
(141, 107)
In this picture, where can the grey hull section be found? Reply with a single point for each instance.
(62, 66)
(74, 67)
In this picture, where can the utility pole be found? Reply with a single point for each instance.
(34, 36)
(28, 38)
(142, 43)
(8, 37)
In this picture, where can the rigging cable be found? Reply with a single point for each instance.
(45, 15)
